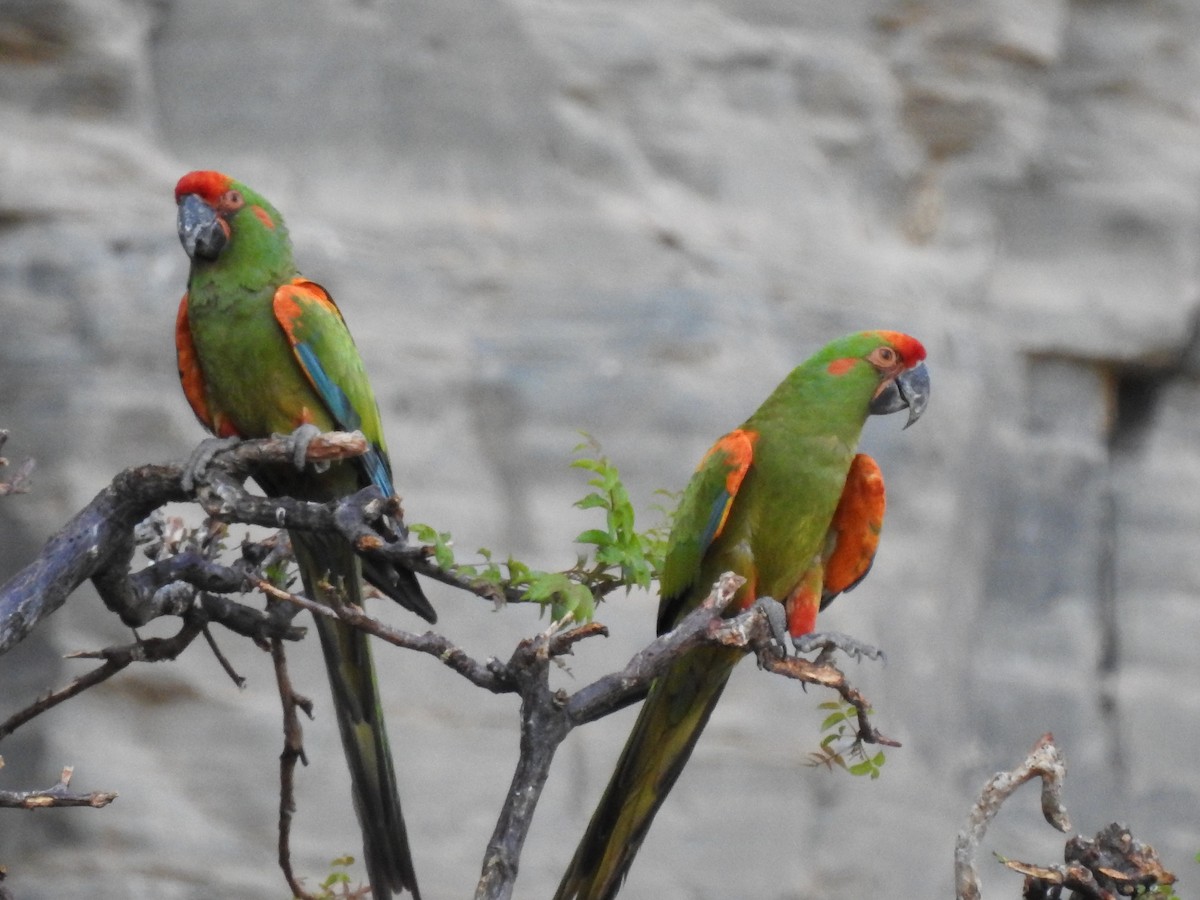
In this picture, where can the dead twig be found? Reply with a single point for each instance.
(57, 796)
(293, 752)
(1044, 761)
(115, 660)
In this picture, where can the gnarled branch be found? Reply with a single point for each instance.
(99, 544)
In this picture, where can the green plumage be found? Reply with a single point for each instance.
(797, 447)
(263, 352)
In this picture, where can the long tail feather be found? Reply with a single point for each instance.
(672, 718)
(359, 714)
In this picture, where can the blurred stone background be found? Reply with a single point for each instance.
(633, 218)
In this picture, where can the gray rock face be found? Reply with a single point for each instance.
(633, 219)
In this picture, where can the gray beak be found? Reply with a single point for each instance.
(908, 390)
(200, 231)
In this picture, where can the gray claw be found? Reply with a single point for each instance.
(299, 441)
(193, 469)
(828, 641)
(776, 620)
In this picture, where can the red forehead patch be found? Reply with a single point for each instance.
(909, 348)
(208, 185)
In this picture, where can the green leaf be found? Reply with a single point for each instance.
(544, 585)
(440, 541)
(592, 536)
(592, 465)
(832, 719)
(576, 600)
(592, 501)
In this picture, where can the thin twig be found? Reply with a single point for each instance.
(831, 677)
(293, 752)
(57, 796)
(222, 659)
(115, 659)
(482, 675)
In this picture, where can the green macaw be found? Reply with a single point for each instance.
(784, 502)
(263, 351)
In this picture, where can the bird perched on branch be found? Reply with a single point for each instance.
(786, 503)
(263, 351)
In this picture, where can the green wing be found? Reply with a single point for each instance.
(326, 353)
(700, 520)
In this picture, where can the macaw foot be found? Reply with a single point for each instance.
(828, 641)
(298, 442)
(776, 620)
(193, 469)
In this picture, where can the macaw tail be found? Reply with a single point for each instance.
(356, 703)
(675, 712)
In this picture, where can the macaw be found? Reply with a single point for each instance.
(263, 351)
(784, 502)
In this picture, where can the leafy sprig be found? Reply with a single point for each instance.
(617, 555)
(840, 743)
(337, 884)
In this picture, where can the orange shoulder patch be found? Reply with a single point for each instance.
(738, 447)
(293, 298)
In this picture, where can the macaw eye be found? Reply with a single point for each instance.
(886, 355)
(232, 200)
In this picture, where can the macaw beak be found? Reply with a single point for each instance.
(201, 231)
(908, 390)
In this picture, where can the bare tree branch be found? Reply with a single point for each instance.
(115, 659)
(484, 675)
(293, 752)
(56, 796)
(99, 543)
(547, 716)
(1044, 761)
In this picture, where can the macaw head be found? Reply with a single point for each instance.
(884, 368)
(904, 384)
(217, 213)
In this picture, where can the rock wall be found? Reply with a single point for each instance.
(633, 219)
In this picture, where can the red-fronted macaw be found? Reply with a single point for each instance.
(784, 502)
(263, 351)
